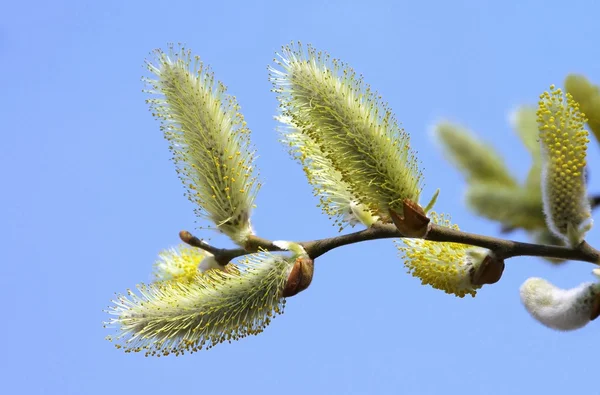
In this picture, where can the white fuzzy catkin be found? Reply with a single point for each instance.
(560, 309)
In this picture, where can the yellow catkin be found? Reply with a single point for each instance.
(175, 317)
(352, 127)
(335, 196)
(179, 263)
(564, 146)
(444, 266)
(209, 140)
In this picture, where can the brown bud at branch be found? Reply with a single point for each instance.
(413, 222)
(489, 272)
(300, 276)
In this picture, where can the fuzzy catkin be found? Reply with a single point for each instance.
(444, 266)
(560, 309)
(355, 131)
(174, 317)
(209, 140)
(335, 196)
(564, 142)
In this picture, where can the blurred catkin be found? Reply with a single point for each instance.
(588, 97)
(479, 162)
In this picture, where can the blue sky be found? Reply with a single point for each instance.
(90, 195)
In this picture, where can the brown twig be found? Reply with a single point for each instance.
(595, 201)
(503, 249)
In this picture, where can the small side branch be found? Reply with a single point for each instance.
(192, 240)
(595, 201)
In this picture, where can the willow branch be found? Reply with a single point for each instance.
(503, 249)
(595, 201)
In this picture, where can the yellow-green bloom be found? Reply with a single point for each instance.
(588, 97)
(479, 162)
(445, 266)
(183, 263)
(335, 197)
(179, 263)
(209, 140)
(177, 316)
(564, 145)
(354, 130)
(561, 309)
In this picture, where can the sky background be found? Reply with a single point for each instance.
(89, 195)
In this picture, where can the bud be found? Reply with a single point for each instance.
(564, 147)
(561, 309)
(413, 222)
(489, 271)
(301, 273)
(300, 276)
